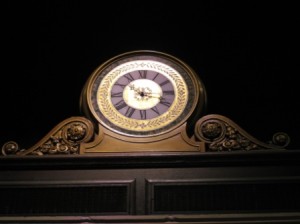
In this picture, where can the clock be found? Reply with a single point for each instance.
(142, 94)
(144, 102)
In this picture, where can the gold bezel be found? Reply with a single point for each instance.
(114, 116)
(185, 82)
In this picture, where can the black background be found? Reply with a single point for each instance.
(246, 53)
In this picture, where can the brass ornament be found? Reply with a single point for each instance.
(65, 138)
(222, 134)
(10, 148)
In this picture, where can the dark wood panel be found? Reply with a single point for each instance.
(67, 199)
(198, 196)
(151, 185)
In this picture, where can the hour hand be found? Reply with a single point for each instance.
(132, 87)
(137, 90)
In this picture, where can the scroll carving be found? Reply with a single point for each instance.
(216, 132)
(65, 138)
(221, 134)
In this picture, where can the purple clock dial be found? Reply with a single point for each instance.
(142, 94)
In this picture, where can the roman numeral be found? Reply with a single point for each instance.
(129, 112)
(143, 74)
(164, 102)
(143, 114)
(121, 85)
(164, 82)
(155, 76)
(120, 105)
(168, 92)
(129, 77)
(119, 94)
(155, 109)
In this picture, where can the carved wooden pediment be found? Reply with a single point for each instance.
(213, 133)
(144, 101)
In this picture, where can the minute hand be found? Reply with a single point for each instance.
(155, 95)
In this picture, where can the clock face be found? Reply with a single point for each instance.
(142, 93)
